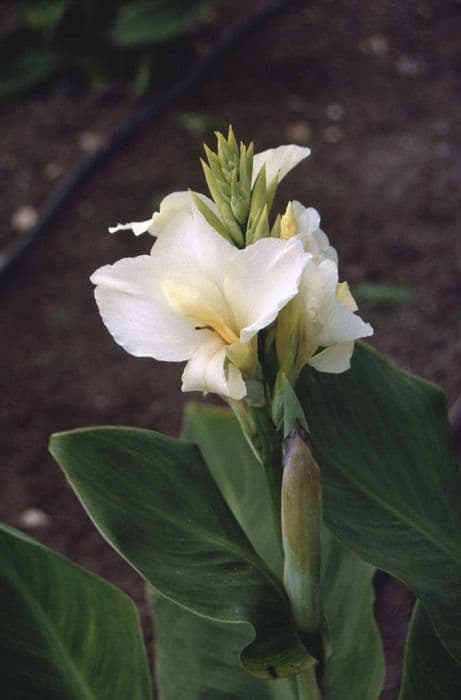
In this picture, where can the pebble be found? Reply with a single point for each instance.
(332, 134)
(24, 218)
(299, 132)
(33, 518)
(90, 141)
(335, 112)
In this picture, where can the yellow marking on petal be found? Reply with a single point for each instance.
(191, 305)
(288, 225)
(343, 294)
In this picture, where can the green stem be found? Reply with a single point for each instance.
(271, 456)
(307, 685)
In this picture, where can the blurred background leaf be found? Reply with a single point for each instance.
(103, 41)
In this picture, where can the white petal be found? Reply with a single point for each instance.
(206, 371)
(175, 212)
(341, 324)
(193, 252)
(135, 311)
(307, 218)
(260, 280)
(334, 359)
(138, 227)
(278, 161)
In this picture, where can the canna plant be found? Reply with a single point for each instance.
(259, 531)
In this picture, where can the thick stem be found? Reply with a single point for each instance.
(270, 448)
(308, 688)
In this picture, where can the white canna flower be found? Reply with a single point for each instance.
(320, 322)
(199, 298)
(304, 222)
(176, 208)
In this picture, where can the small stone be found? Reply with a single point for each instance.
(53, 170)
(24, 218)
(410, 66)
(34, 518)
(90, 141)
(299, 132)
(332, 134)
(377, 45)
(335, 112)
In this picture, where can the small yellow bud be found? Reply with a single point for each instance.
(288, 225)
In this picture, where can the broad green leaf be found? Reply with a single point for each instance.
(24, 63)
(430, 673)
(198, 659)
(239, 476)
(355, 666)
(154, 500)
(65, 633)
(392, 489)
(152, 21)
(355, 663)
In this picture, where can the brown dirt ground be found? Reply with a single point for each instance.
(374, 88)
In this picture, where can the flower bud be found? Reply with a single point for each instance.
(301, 527)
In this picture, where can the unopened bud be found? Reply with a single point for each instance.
(301, 527)
(288, 225)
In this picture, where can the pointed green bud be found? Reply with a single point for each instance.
(271, 192)
(244, 174)
(222, 202)
(240, 204)
(210, 216)
(276, 228)
(261, 226)
(215, 167)
(213, 186)
(249, 159)
(228, 157)
(301, 527)
(258, 194)
(232, 141)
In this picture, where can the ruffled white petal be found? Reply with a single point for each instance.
(278, 161)
(206, 370)
(334, 359)
(260, 280)
(136, 313)
(137, 227)
(314, 240)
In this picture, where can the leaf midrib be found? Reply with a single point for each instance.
(47, 624)
(373, 496)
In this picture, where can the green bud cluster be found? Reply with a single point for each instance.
(243, 209)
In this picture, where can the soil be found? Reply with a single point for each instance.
(374, 89)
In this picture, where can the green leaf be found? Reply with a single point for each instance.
(153, 21)
(65, 634)
(391, 485)
(430, 673)
(239, 476)
(355, 662)
(154, 500)
(198, 659)
(355, 666)
(383, 294)
(24, 63)
(43, 14)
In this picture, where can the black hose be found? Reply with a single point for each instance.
(89, 163)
